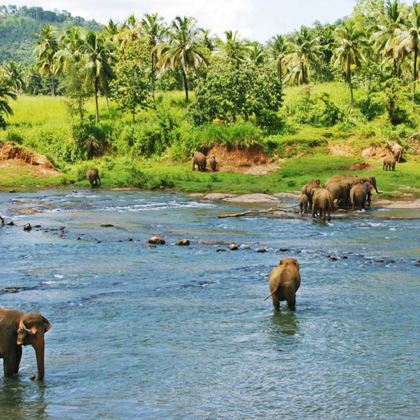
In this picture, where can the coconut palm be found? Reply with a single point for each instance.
(410, 40)
(15, 72)
(278, 51)
(233, 48)
(348, 52)
(256, 53)
(184, 49)
(154, 29)
(45, 51)
(97, 55)
(71, 47)
(387, 36)
(305, 51)
(6, 93)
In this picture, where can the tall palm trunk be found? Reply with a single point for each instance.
(350, 86)
(96, 98)
(415, 73)
(185, 82)
(153, 74)
(52, 86)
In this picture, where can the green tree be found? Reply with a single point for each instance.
(232, 48)
(184, 49)
(278, 51)
(305, 51)
(45, 52)
(347, 54)
(154, 29)
(6, 93)
(230, 91)
(97, 55)
(132, 87)
(15, 72)
(410, 40)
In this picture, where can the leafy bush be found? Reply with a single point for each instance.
(372, 106)
(14, 136)
(291, 146)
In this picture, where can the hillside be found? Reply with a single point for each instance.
(19, 29)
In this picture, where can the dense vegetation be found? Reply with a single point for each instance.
(21, 26)
(353, 81)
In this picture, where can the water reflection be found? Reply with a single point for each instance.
(284, 322)
(22, 400)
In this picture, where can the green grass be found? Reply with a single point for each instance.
(44, 124)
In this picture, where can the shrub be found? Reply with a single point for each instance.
(372, 106)
(14, 136)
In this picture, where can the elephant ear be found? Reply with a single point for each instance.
(47, 324)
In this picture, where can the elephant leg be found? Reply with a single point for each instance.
(18, 358)
(9, 364)
(291, 301)
(276, 302)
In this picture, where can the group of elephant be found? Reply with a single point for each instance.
(341, 191)
(199, 160)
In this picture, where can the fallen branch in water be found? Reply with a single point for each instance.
(255, 212)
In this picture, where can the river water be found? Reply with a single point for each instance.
(184, 332)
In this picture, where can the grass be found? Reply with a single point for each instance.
(44, 123)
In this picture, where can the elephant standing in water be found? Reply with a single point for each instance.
(308, 190)
(360, 195)
(322, 203)
(92, 175)
(284, 282)
(19, 329)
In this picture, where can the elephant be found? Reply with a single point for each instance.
(213, 164)
(389, 163)
(360, 194)
(19, 329)
(92, 175)
(303, 203)
(397, 151)
(308, 190)
(284, 282)
(199, 159)
(322, 203)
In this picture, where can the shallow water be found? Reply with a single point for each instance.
(183, 332)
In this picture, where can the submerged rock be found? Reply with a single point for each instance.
(183, 242)
(27, 227)
(106, 225)
(156, 240)
(233, 247)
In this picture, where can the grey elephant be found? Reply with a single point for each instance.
(19, 329)
(284, 282)
(303, 203)
(92, 175)
(308, 190)
(360, 195)
(199, 160)
(213, 164)
(389, 163)
(397, 151)
(322, 204)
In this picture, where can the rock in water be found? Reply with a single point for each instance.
(233, 247)
(156, 240)
(27, 227)
(183, 242)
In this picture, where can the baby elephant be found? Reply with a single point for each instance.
(213, 164)
(389, 163)
(303, 203)
(199, 159)
(92, 175)
(284, 281)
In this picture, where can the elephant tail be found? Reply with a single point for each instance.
(271, 294)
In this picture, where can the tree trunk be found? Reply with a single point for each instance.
(184, 79)
(107, 103)
(96, 98)
(52, 86)
(351, 87)
(415, 74)
(153, 74)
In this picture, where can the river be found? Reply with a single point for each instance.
(184, 332)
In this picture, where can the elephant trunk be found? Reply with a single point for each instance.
(39, 348)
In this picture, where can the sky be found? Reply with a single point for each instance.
(254, 19)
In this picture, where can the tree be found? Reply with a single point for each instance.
(386, 37)
(154, 29)
(233, 48)
(230, 91)
(45, 51)
(6, 93)
(410, 40)
(347, 54)
(15, 72)
(184, 49)
(132, 86)
(305, 51)
(97, 55)
(278, 50)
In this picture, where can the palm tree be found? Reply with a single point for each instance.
(233, 48)
(154, 29)
(71, 43)
(45, 51)
(15, 72)
(410, 40)
(6, 93)
(305, 51)
(184, 49)
(386, 37)
(347, 54)
(129, 32)
(256, 53)
(97, 53)
(278, 50)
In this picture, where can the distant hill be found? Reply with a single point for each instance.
(20, 27)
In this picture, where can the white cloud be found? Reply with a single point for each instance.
(254, 19)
